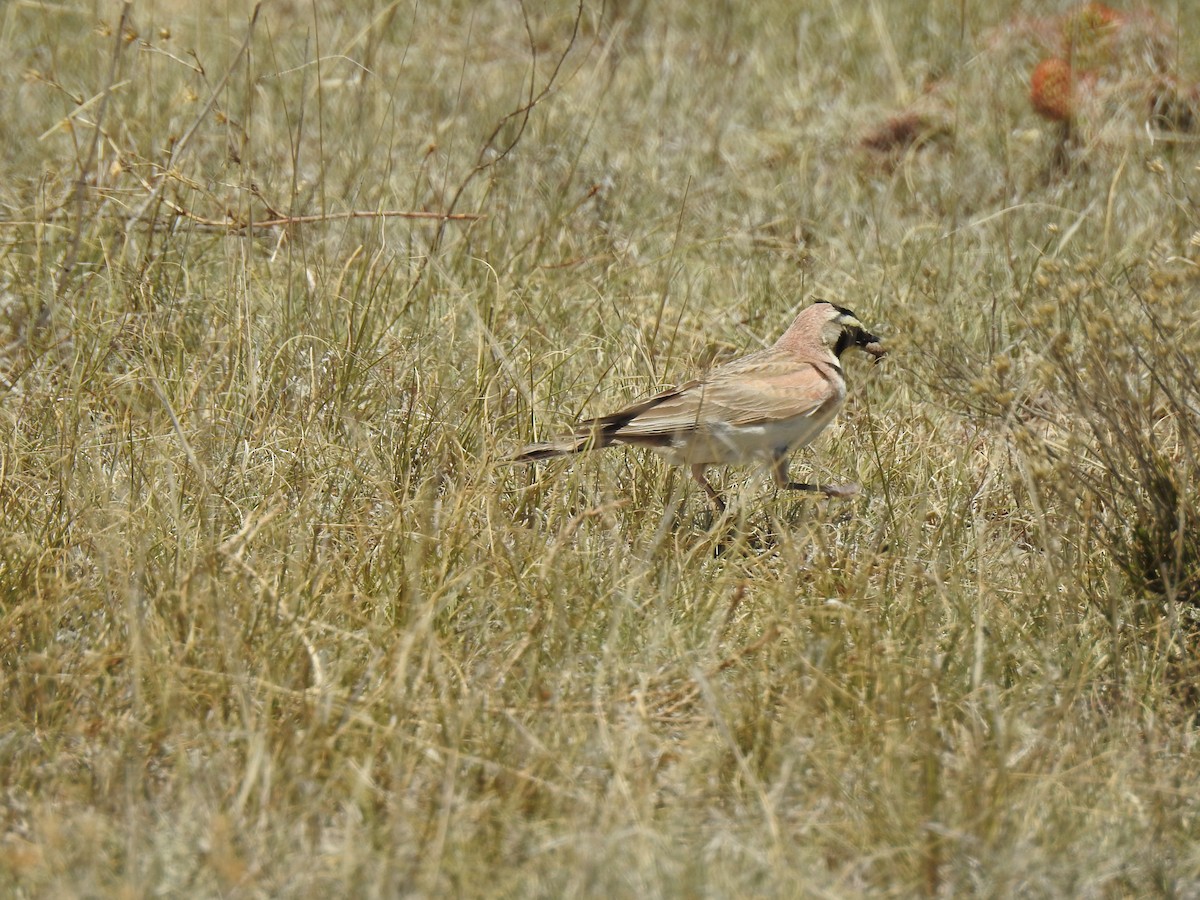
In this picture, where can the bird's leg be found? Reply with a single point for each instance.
(698, 475)
(779, 470)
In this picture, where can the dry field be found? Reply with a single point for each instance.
(275, 621)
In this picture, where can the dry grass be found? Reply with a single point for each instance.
(275, 623)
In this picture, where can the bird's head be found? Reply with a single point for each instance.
(841, 329)
(825, 330)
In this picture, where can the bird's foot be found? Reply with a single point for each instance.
(829, 490)
(840, 490)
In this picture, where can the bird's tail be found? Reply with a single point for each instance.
(561, 447)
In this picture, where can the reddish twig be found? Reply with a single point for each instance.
(287, 221)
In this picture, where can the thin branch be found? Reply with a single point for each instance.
(79, 193)
(280, 220)
(287, 221)
(180, 146)
(522, 112)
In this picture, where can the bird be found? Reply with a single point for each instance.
(757, 408)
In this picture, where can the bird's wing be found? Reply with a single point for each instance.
(746, 392)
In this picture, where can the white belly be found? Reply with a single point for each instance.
(718, 444)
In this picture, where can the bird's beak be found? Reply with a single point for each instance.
(870, 344)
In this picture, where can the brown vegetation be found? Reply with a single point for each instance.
(274, 624)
